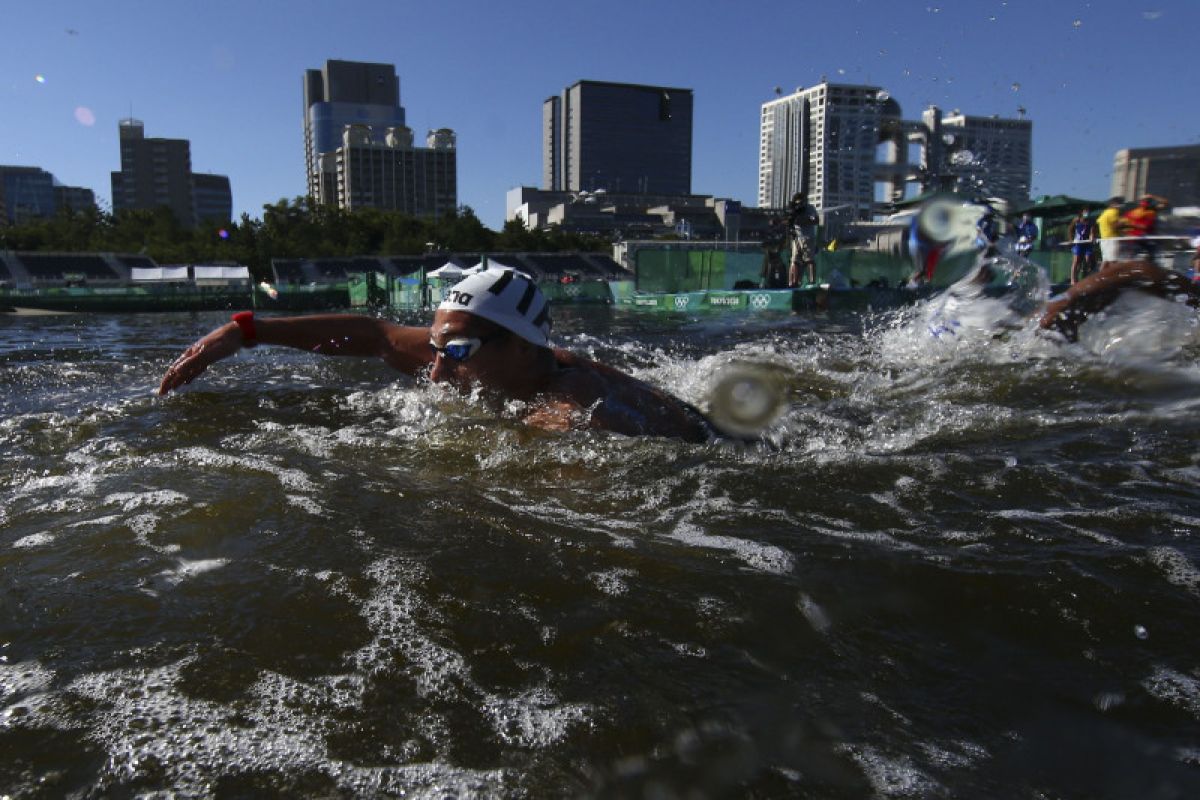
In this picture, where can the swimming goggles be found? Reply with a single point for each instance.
(463, 348)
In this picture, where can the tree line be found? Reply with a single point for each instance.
(298, 228)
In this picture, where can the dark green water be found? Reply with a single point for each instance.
(963, 568)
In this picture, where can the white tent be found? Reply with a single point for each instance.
(447, 271)
(159, 273)
(224, 273)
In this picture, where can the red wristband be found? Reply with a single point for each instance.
(245, 322)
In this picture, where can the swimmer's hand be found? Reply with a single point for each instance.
(221, 343)
(555, 415)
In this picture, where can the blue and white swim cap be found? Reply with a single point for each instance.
(506, 297)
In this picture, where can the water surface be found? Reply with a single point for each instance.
(960, 565)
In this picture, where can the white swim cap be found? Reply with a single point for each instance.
(506, 297)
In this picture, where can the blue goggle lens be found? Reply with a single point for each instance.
(458, 349)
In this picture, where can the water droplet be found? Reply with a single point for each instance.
(1140, 632)
(841, 71)
(1016, 87)
(992, 18)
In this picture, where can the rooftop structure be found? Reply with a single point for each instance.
(618, 137)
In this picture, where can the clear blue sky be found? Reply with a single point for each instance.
(1094, 77)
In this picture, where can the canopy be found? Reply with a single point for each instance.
(158, 273)
(203, 272)
(447, 270)
(1058, 205)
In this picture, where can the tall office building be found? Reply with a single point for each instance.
(154, 172)
(158, 172)
(213, 198)
(339, 94)
(618, 137)
(820, 142)
(74, 198)
(985, 156)
(1170, 172)
(26, 193)
(358, 151)
(393, 174)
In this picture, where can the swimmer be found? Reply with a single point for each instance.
(1097, 291)
(492, 330)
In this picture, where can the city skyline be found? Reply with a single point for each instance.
(227, 79)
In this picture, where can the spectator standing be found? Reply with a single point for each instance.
(1110, 226)
(1027, 234)
(1083, 238)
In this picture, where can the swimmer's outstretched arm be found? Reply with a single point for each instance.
(403, 348)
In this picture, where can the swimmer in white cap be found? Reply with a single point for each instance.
(493, 329)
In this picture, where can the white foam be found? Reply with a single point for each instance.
(1176, 568)
(535, 718)
(40, 539)
(23, 678)
(612, 581)
(762, 557)
(1175, 688)
(129, 501)
(892, 776)
(186, 570)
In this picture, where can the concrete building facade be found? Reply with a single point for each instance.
(393, 174)
(26, 193)
(30, 193)
(1170, 172)
(618, 137)
(213, 197)
(359, 153)
(74, 198)
(987, 156)
(821, 142)
(154, 172)
(824, 142)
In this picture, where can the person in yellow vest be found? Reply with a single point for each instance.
(1111, 227)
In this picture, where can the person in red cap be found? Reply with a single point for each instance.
(1141, 221)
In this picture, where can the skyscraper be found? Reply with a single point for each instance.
(360, 154)
(618, 137)
(823, 142)
(25, 193)
(158, 172)
(213, 198)
(154, 172)
(987, 156)
(820, 142)
(1170, 172)
(345, 93)
(393, 174)
(28, 193)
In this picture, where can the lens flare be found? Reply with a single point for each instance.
(224, 234)
(85, 117)
(40, 78)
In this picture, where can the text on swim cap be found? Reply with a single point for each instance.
(461, 298)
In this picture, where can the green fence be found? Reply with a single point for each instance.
(673, 270)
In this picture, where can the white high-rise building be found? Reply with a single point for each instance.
(821, 142)
(824, 142)
(987, 156)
